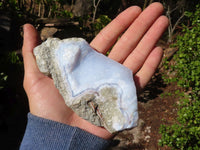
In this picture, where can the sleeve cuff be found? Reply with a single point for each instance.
(47, 134)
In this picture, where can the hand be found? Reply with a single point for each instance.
(135, 49)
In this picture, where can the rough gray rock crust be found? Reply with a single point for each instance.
(94, 92)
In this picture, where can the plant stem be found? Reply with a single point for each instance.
(95, 9)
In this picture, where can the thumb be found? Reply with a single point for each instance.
(31, 40)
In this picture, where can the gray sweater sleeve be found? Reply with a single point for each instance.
(44, 134)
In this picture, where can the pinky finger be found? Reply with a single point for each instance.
(144, 75)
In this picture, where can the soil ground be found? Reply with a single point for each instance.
(157, 105)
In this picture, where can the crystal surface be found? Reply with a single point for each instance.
(97, 88)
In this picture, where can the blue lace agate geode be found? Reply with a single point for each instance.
(97, 88)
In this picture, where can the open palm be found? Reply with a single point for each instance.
(135, 49)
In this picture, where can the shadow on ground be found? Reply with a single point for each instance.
(153, 89)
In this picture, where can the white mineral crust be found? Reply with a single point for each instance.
(97, 88)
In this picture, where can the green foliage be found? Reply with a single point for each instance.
(11, 5)
(10, 65)
(188, 55)
(66, 14)
(36, 8)
(55, 9)
(86, 24)
(13, 58)
(185, 134)
(166, 94)
(3, 79)
(101, 22)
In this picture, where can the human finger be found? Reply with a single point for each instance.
(31, 40)
(143, 76)
(135, 32)
(137, 57)
(108, 35)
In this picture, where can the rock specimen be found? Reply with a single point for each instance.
(97, 88)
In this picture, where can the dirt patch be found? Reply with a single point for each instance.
(157, 105)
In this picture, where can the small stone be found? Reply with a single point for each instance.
(97, 88)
